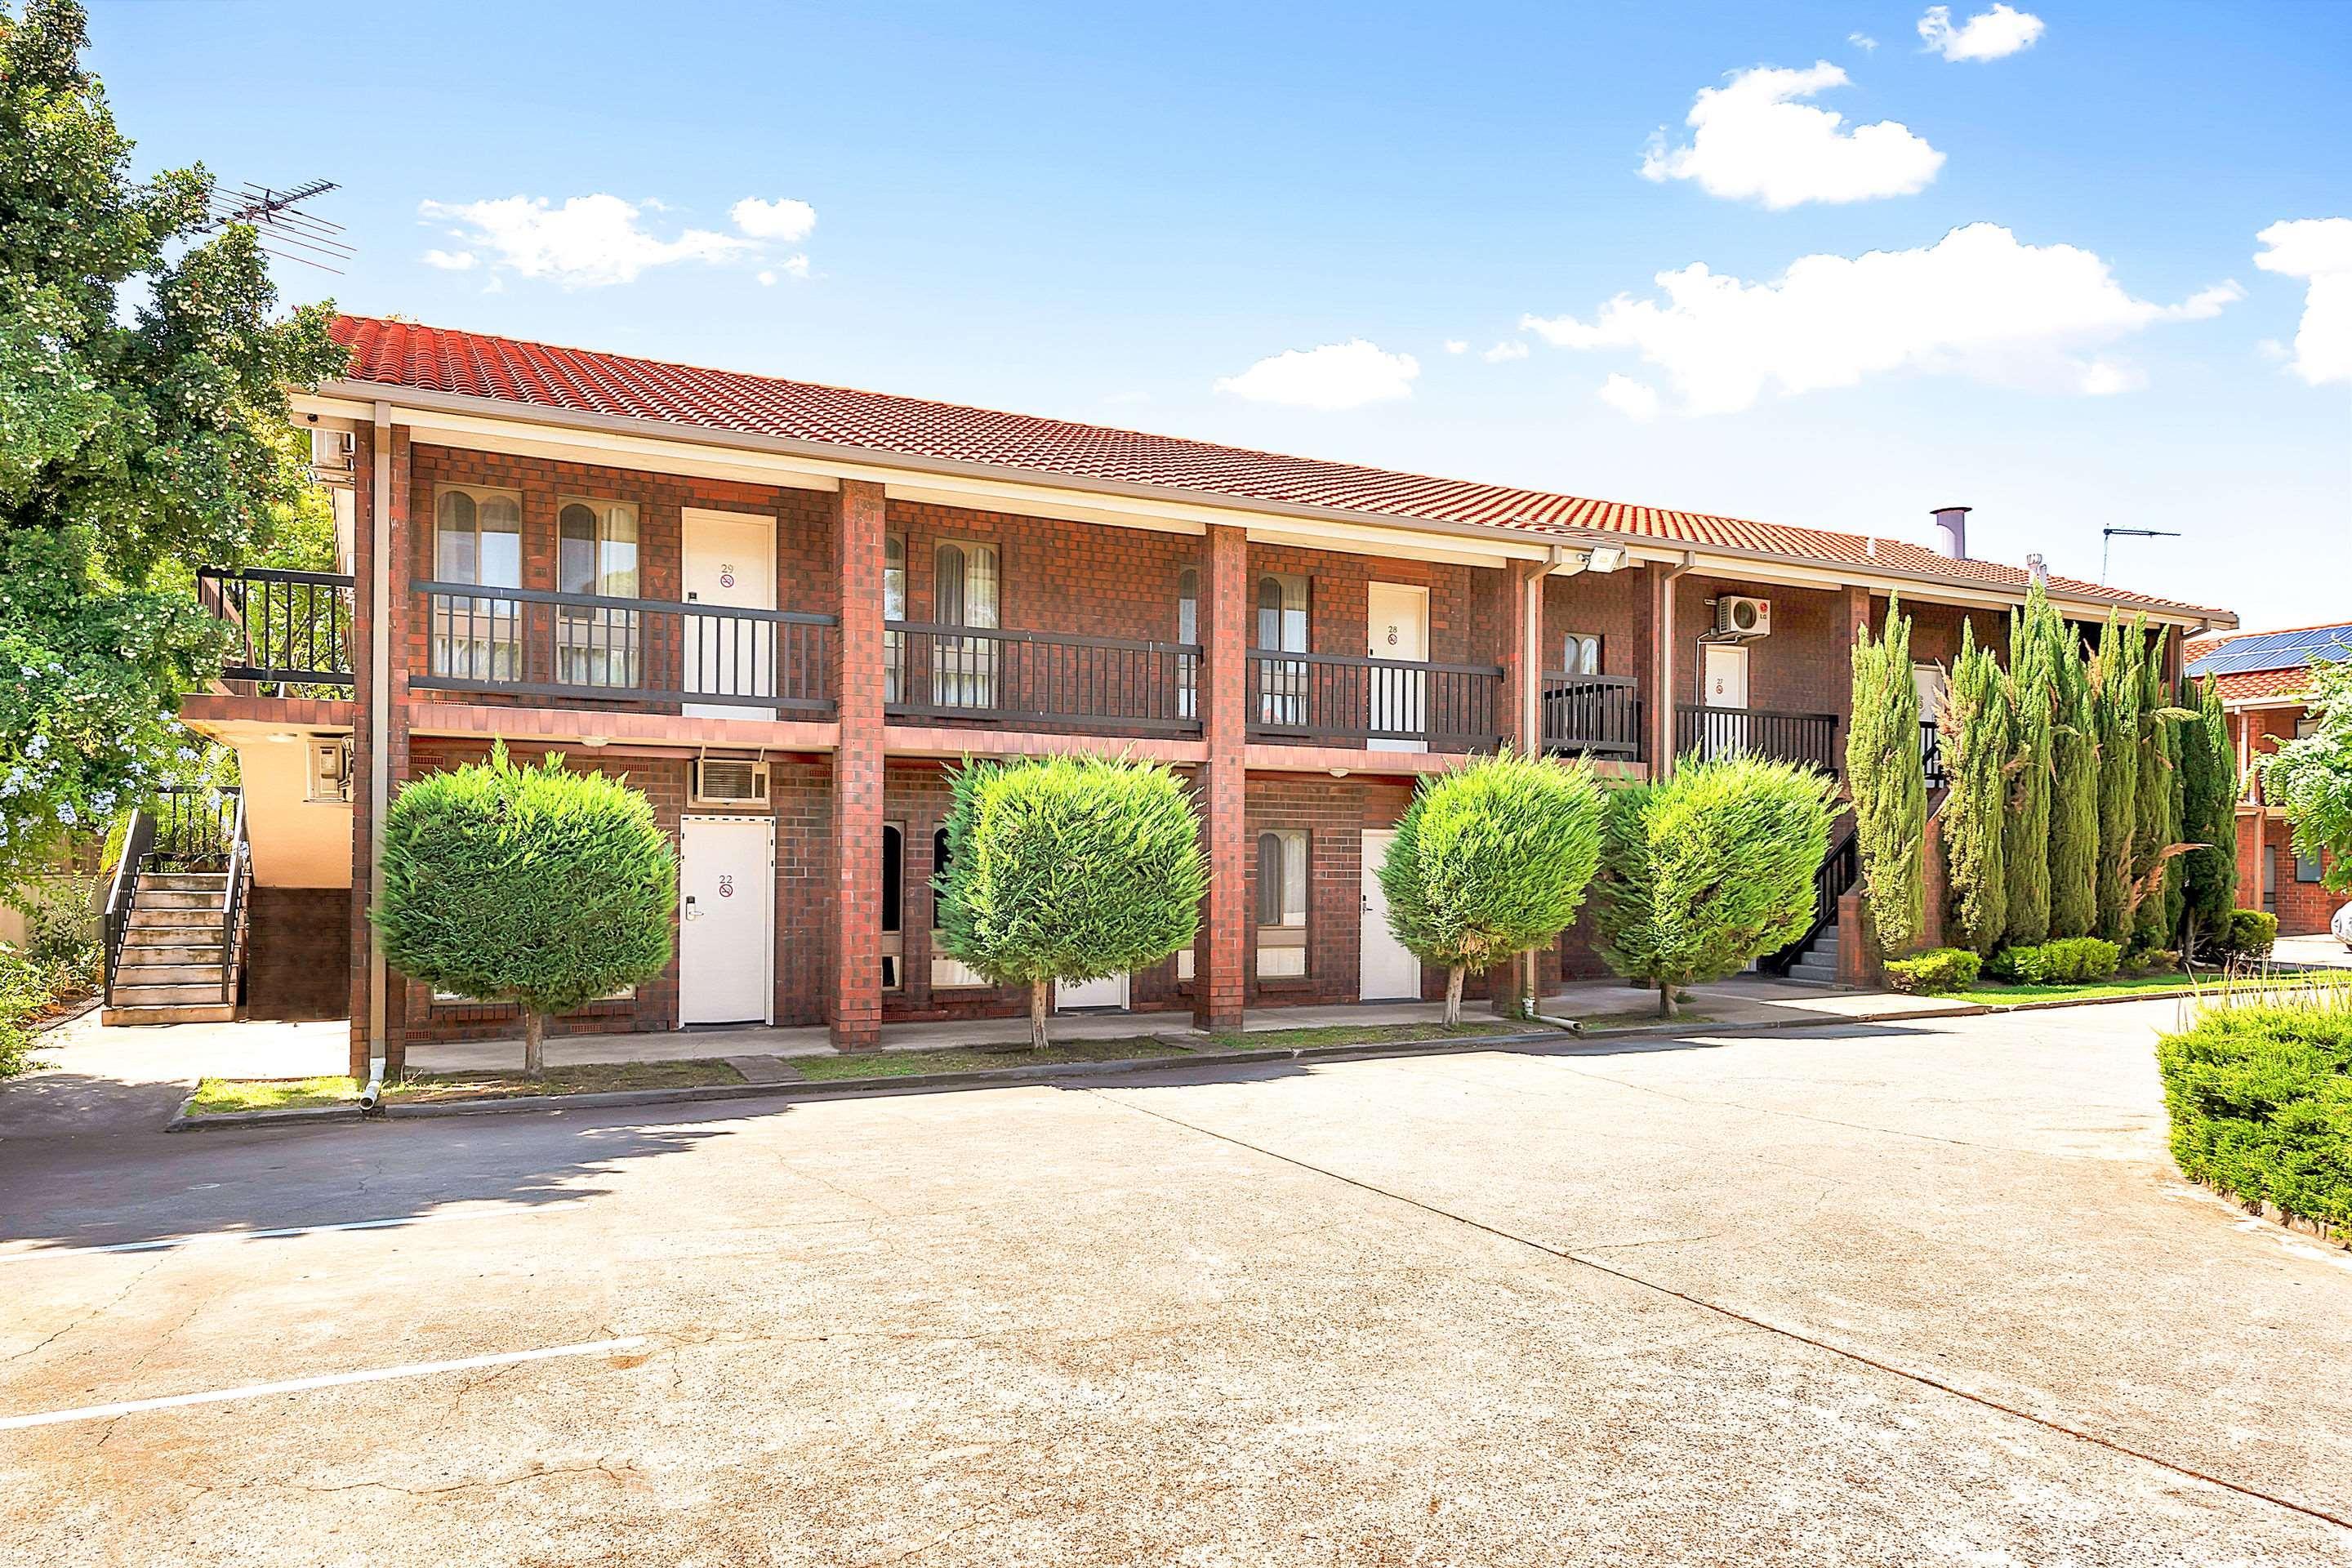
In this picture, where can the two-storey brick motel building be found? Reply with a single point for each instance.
(785, 611)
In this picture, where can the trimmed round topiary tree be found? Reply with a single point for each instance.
(1490, 861)
(537, 886)
(1069, 868)
(1710, 870)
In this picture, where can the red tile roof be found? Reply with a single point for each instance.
(476, 364)
(2262, 685)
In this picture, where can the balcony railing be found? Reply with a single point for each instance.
(1706, 731)
(1599, 715)
(1931, 753)
(291, 631)
(1042, 680)
(575, 646)
(1370, 702)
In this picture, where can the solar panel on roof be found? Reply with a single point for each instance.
(2277, 650)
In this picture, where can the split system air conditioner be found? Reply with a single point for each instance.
(728, 781)
(1739, 619)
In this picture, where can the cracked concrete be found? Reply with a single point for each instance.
(1926, 1292)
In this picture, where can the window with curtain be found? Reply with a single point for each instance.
(1188, 632)
(1281, 627)
(893, 940)
(1281, 904)
(964, 593)
(1580, 654)
(477, 541)
(948, 973)
(596, 554)
(893, 610)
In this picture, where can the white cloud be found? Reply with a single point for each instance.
(767, 279)
(2319, 251)
(1978, 303)
(1634, 399)
(1457, 346)
(1509, 349)
(1752, 140)
(1335, 375)
(1861, 41)
(1987, 35)
(796, 266)
(787, 220)
(587, 242)
(449, 260)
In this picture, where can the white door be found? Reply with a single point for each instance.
(1723, 683)
(1397, 627)
(1389, 973)
(1110, 991)
(728, 558)
(726, 919)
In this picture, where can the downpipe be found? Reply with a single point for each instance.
(372, 1095)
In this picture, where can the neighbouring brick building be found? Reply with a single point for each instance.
(784, 611)
(2262, 678)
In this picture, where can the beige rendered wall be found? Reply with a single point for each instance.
(296, 843)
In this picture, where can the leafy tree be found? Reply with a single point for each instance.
(536, 886)
(1491, 859)
(2074, 795)
(2035, 645)
(1888, 781)
(1977, 756)
(2311, 778)
(1069, 868)
(141, 411)
(2209, 794)
(2115, 689)
(1704, 872)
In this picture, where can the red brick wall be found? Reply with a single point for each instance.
(2303, 909)
(1465, 623)
(297, 951)
(1615, 605)
(1802, 667)
(1055, 575)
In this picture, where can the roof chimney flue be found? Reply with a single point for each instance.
(2038, 568)
(1952, 523)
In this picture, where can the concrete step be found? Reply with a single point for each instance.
(169, 994)
(1806, 972)
(128, 974)
(167, 899)
(186, 938)
(213, 1012)
(183, 881)
(145, 919)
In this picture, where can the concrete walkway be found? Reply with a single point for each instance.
(2320, 952)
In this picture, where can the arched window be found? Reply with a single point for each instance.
(1281, 904)
(938, 870)
(894, 855)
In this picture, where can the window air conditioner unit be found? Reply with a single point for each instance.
(1739, 618)
(725, 781)
(330, 769)
(333, 452)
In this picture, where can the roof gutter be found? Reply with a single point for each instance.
(357, 399)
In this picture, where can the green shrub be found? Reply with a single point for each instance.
(29, 989)
(1709, 869)
(1939, 972)
(2152, 961)
(535, 886)
(1069, 868)
(1490, 861)
(2259, 1096)
(2250, 935)
(1887, 778)
(1977, 735)
(2068, 961)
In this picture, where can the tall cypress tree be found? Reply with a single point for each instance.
(1888, 780)
(2155, 804)
(1976, 752)
(2074, 791)
(2208, 818)
(2032, 690)
(2115, 683)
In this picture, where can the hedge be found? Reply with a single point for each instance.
(2259, 1096)
(2250, 935)
(1939, 972)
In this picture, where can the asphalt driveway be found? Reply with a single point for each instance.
(1926, 1292)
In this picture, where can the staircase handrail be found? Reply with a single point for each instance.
(240, 871)
(138, 838)
(1837, 874)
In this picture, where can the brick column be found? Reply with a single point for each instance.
(855, 1005)
(1220, 982)
(381, 536)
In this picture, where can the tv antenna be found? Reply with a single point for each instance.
(283, 229)
(2108, 535)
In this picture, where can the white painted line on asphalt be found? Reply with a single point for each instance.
(395, 1222)
(304, 1385)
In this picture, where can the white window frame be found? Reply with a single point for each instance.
(1282, 941)
(599, 646)
(1581, 653)
(475, 637)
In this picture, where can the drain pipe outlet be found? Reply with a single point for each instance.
(372, 1097)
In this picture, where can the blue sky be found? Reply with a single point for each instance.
(1115, 217)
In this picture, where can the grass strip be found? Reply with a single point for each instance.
(980, 1059)
(222, 1096)
(581, 1078)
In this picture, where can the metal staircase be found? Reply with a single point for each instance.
(175, 915)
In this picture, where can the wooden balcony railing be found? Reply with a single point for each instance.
(1041, 680)
(575, 646)
(291, 631)
(1706, 731)
(1596, 715)
(1361, 702)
